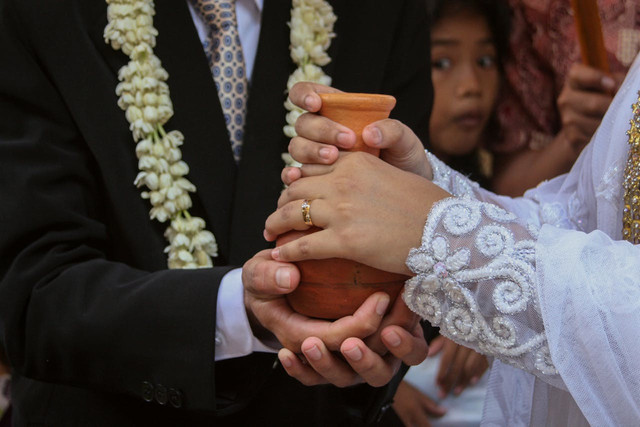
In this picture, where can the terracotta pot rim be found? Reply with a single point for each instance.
(359, 101)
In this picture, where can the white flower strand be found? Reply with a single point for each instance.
(144, 96)
(311, 33)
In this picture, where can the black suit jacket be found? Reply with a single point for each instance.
(94, 323)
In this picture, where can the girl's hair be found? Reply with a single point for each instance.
(496, 13)
(498, 17)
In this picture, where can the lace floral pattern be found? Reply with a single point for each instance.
(454, 183)
(475, 277)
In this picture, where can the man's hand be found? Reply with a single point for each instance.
(319, 138)
(359, 363)
(265, 284)
(317, 341)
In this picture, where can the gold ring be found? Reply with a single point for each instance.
(306, 212)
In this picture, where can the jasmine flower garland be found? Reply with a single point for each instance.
(311, 33)
(144, 96)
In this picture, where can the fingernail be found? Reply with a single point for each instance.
(393, 339)
(325, 152)
(344, 138)
(286, 362)
(608, 82)
(275, 254)
(313, 353)
(374, 136)
(283, 278)
(381, 307)
(457, 391)
(474, 380)
(354, 354)
(441, 394)
(308, 101)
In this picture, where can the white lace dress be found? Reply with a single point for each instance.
(544, 284)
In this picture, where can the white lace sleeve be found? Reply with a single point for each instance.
(475, 278)
(449, 180)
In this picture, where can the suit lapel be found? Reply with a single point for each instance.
(258, 184)
(197, 114)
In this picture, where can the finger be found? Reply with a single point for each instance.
(436, 345)
(578, 131)
(304, 189)
(309, 170)
(306, 151)
(582, 76)
(328, 366)
(364, 322)
(399, 316)
(292, 329)
(371, 367)
(583, 123)
(448, 356)
(407, 405)
(319, 129)
(305, 95)
(432, 407)
(290, 175)
(576, 139)
(476, 367)
(468, 370)
(593, 105)
(456, 379)
(262, 276)
(402, 148)
(410, 347)
(319, 245)
(291, 216)
(296, 369)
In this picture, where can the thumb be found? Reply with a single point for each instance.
(401, 147)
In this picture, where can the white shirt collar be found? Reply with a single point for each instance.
(259, 4)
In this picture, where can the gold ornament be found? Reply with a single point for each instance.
(631, 185)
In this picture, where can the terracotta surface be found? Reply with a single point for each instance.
(334, 288)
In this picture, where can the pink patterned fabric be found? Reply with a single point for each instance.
(544, 45)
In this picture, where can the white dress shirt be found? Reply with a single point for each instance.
(234, 337)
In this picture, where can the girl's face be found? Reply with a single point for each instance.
(466, 81)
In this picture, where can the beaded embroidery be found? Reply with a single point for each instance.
(449, 277)
(471, 248)
(631, 185)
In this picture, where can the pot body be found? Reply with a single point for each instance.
(334, 288)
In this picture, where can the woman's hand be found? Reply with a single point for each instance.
(370, 212)
(319, 138)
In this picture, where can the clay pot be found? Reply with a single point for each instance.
(334, 288)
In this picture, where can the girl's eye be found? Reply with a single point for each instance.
(486, 61)
(441, 64)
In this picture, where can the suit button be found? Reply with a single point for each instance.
(162, 396)
(147, 391)
(175, 398)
